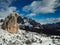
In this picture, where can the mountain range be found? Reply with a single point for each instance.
(31, 25)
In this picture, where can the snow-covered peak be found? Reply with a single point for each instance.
(27, 24)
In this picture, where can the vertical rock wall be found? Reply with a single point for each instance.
(10, 23)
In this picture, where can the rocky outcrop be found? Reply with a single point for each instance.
(10, 23)
(23, 22)
(20, 20)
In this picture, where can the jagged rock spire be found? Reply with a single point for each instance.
(10, 23)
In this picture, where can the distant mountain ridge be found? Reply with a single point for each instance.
(52, 26)
(12, 22)
(29, 24)
(37, 27)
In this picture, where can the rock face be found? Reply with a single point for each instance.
(10, 23)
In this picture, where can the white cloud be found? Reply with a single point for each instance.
(5, 8)
(31, 14)
(5, 3)
(44, 6)
(4, 13)
(49, 20)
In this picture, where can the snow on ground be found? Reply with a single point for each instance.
(26, 38)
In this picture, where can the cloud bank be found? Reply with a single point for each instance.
(4, 13)
(44, 6)
(5, 3)
(49, 20)
(5, 8)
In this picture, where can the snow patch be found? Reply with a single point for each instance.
(24, 38)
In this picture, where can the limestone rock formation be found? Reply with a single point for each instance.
(10, 23)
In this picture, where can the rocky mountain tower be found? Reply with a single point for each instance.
(10, 23)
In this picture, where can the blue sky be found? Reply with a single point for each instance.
(43, 11)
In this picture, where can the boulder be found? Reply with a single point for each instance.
(10, 23)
